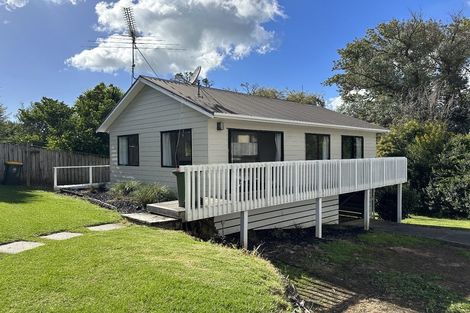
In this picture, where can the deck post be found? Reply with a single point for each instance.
(399, 202)
(366, 209)
(244, 229)
(318, 217)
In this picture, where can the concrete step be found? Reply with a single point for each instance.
(154, 220)
(169, 208)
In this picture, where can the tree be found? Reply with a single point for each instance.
(414, 69)
(7, 128)
(287, 94)
(90, 110)
(46, 123)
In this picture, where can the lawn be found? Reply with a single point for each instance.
(28, 212)
(355, 271)
(434, 221)
(138, 269)
(131, 269)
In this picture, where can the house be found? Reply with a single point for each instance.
(160, 125)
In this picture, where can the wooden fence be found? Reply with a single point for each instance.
(38, 164)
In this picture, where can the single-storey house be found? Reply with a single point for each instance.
(160, 125)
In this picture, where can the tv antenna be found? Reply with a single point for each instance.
(134, 40)
(130, 20)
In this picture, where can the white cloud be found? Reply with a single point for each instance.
(210, 31)
(11, 5)
(5, 22)
(334, 103)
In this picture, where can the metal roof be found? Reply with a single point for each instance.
(230, 104)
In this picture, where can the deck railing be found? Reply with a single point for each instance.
(219, 189)
(87, 177)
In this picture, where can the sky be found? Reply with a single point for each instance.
(60, 48)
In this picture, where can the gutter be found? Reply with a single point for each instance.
(296, 123)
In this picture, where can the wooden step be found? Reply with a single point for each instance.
(169, 208)
(154, 220)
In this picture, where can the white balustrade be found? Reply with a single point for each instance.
(90, 181)
(219, 189)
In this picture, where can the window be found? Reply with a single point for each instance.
(352, 147)
(176, 148)
(317, 147)
(255, 146)
(128, 150)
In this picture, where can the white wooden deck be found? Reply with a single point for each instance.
(220, 189)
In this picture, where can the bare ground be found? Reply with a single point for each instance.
(353, 271)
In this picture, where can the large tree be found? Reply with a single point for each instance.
(414, 69)
(46, 123)
(91, 108)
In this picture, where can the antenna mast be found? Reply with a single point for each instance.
(129, 17)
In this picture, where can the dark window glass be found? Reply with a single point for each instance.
(352, 147)
(176, 148)
(255, 146)
(128, 150)
(317, 147)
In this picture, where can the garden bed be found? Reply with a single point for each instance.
(106, 199)
(125, 197)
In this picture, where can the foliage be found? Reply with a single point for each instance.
(54, 124)
(386, 200)
(46, 123)
(449, 192)
(152, 193)
(142, 192)
(286, 94)
(8, 129)
(91, 109)
(124, 188)
(413, 69)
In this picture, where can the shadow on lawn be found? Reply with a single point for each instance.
(16, 194)
(405, 273)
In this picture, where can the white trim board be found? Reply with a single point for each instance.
(292, 122)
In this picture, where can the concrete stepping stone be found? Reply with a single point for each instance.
(19, 246)
(61, 236)
(105, 227)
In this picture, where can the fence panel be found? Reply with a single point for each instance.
(38, 164)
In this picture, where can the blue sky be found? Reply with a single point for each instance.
(295, 49)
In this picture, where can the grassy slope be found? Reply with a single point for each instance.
(432, 221)
(26, 212)
(138, 269)
(407, 270)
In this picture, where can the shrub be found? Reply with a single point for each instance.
(125, 188)
(152, 193)
(386, 202)
(448, 194)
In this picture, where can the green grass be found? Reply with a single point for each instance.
(422, 288)
(388, 239)
(138, 269)
(434, 221)
(27, 212)
(341, 251)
